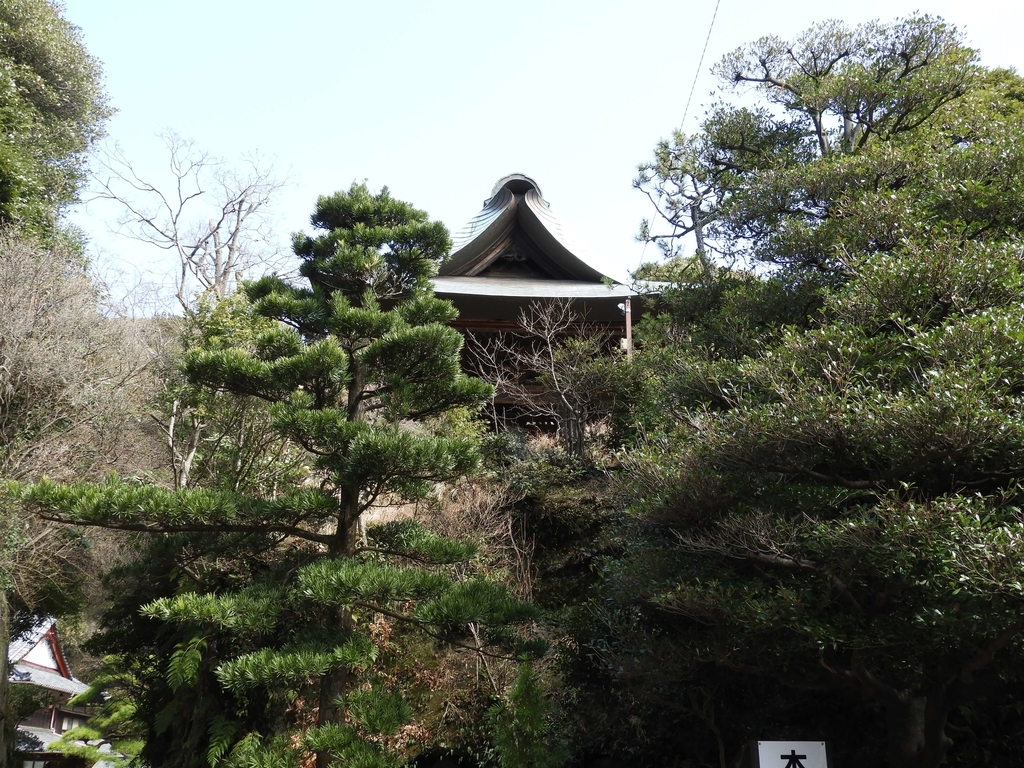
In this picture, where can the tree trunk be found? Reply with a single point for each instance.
(333, 685)
(6, 716)
(571, 426)
(336, 682)
(917, 731)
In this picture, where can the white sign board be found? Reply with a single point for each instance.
(792, 754)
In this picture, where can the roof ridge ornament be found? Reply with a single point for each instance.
(517, 183)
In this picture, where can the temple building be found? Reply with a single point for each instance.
(514, 253)
(521, 284)
(35, 659)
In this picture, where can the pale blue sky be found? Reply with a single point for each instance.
(438, 100)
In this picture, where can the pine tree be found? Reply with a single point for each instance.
(363, 372)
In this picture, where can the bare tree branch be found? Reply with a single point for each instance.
(210, 216)
(546, 368)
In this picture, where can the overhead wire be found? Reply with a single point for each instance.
(693, 86)
(700, 65)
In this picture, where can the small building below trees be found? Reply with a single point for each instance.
(35, 659)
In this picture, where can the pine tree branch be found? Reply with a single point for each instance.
(397, 553)
(405, 618)
(156, 527)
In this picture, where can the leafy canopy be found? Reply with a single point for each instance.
(52, 109)
(834, 156)
(833, 451)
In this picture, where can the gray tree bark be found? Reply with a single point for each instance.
(7, 723)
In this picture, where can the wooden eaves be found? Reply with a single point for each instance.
(515, 252)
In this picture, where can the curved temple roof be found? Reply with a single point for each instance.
(36, 658)
(516, 224)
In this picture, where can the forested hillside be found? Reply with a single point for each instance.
(288, 537)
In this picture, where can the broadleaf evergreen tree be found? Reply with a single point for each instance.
(828, 458)
(52, 110)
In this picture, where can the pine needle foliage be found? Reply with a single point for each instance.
(360, 366)
(114, 735)
(521, 726)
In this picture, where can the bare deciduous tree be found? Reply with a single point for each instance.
(68, 374)
(69, 395)
(211, 216)
(549, 369)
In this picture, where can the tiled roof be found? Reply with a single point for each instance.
(516, 202)
(45, 735)
(27, 640)
(27, 674)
